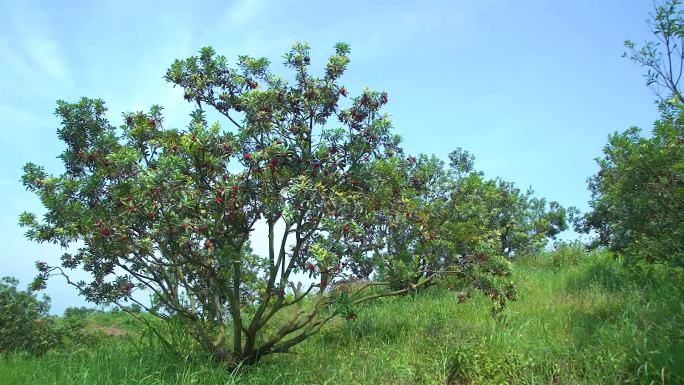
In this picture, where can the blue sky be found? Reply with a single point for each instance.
(532, 88)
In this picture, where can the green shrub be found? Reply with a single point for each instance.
(566, 254)
(78, 311)
(24, 324)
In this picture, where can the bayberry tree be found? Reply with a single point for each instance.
(462, 226)
(637, 197)
(147, 208)
(442, 232)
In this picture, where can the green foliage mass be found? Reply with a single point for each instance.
(24, 324)
(466, 226)
(637, 205)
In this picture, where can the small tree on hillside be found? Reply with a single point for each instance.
(496, 213)
(637, 197)
(171, 211)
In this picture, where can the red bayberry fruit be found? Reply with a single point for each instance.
(345, 228)
(105, 232)
(310, 266)
(153, 122)
(343, 91)
(218, 200)
(247, 156)
(129, 119)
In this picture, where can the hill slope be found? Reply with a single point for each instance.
(579, 319)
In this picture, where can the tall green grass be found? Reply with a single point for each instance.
(579, 319)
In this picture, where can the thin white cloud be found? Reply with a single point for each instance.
(45, 55)
(244, 11)
(32, 66)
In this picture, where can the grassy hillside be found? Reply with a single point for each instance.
(579, 319)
